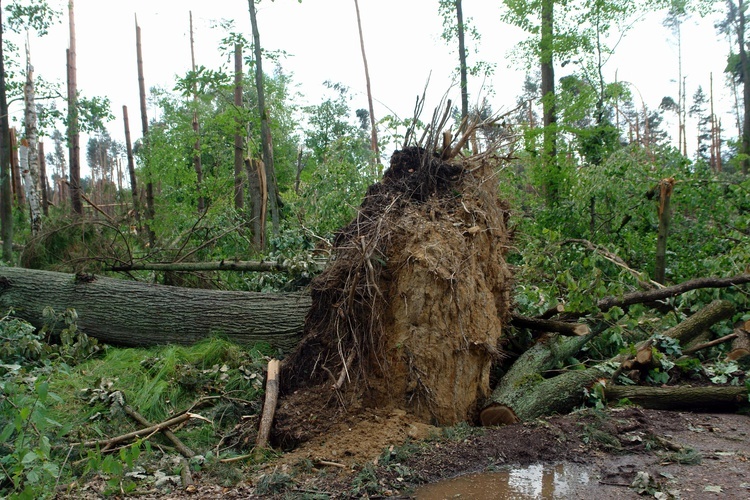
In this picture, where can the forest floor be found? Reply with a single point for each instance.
(616, 453)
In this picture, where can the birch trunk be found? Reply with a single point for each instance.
(30, 170)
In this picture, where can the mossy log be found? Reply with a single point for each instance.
(132, 313)
(708, 398)
(526, 392)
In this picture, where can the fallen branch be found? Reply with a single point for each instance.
(670, 398)
(178, 444)
(269, 406)
(706, 345)
(629, 299)
(546, 325)
(142, 432)
(616, 260)
(706, 317)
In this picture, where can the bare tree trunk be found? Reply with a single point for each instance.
(258, 200)
(462, 61)
(32, 193)
(373, 127)
(74, 146)
(6, 191)
(265, 129)
(31, 172)
(43, 179)
(239, 184)
(131, 167)
(196, 128)
(17, 185)
(665, 195)
(150, 212)
(546, 46)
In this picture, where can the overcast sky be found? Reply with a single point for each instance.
(402, 40)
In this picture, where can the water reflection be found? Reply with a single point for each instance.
(544, 482)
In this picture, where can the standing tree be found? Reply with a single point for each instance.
(31, 170)
(150, 212)
(131, 166)
(74, 148)
(674, 20)
(734, 25)
(265, 129)
(373, 128)
(6, 193)
(196, 126)
(698, 112)
(239, 163)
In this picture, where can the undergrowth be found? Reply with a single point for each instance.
(58, 393)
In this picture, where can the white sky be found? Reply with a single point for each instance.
(402, 40)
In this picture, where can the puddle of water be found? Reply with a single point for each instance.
(545, 482)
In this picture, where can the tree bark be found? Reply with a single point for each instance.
(131, 167)
(239, 163)
(664, 213)
(43, 179)
(546, 325)
(74, 147)
(373, 128)
(18, 191)
(524, 390)
(6, 191)
(223, 265)
(31, 172)
(706, 317)
(462, 61)
(709, 398)
(265, 129)
(197, 164)
(138, 314)
(549, 154)
(150, 211)
(269, 406)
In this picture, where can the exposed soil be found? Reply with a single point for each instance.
(686, 455)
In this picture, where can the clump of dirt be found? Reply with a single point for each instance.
(409, 314)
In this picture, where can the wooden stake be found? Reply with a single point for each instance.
(269, 406)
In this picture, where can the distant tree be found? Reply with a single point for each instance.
(371, 113)
(698, 111)
(734, 25)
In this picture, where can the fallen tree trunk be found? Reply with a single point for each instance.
(676, 398)
(525, 391)
(132, 313)
(223, 265)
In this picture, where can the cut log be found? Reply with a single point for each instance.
(132, 313)
(710, 398)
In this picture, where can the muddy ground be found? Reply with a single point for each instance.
(587, 454)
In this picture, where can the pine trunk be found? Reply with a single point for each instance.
(150, 212)
(239, 182)
(131, 166)
(373, 127)
(74, 147)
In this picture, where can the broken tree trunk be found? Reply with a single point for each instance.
(132, 313)
(693, 326)
(223, 265)
(677, 398)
